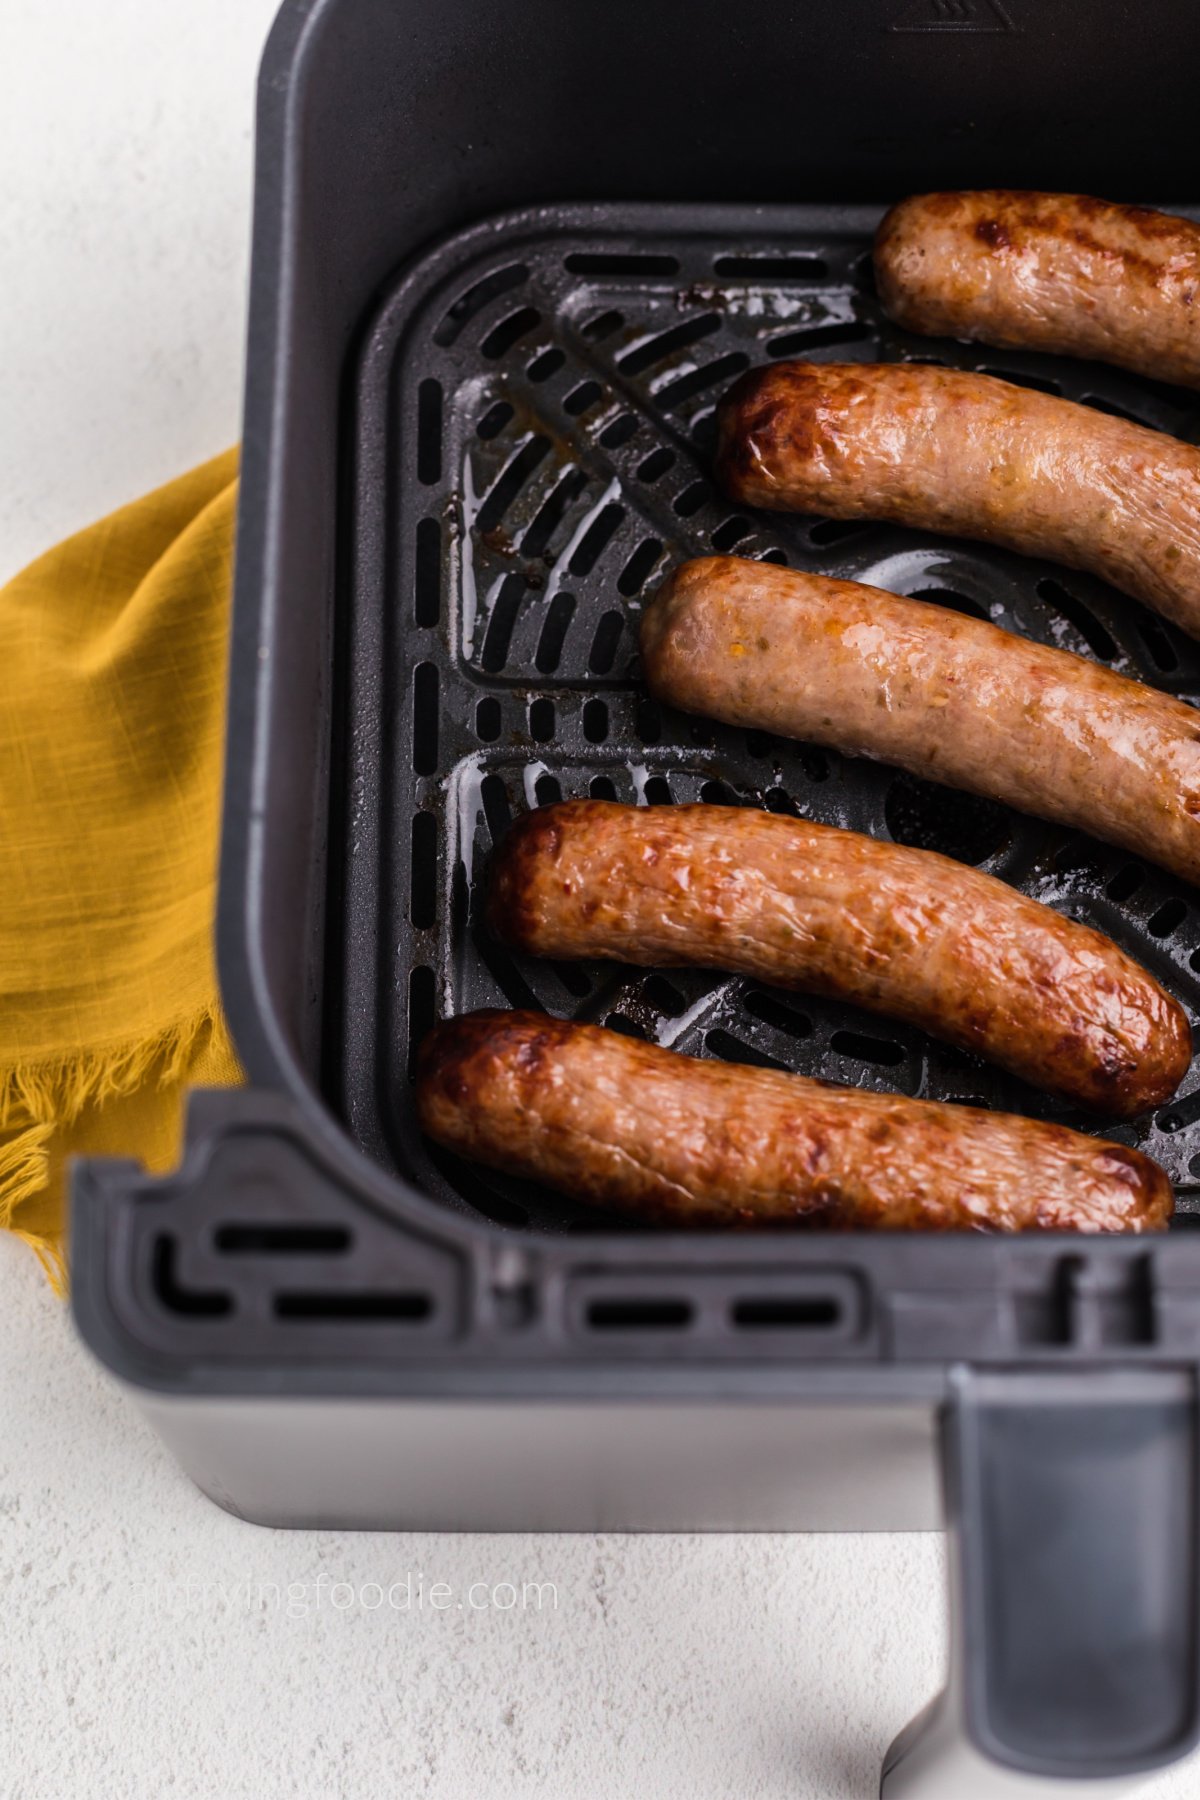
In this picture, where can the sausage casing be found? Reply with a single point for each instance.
(900, 931)
(966, 454)
(948, 697)
(680, 1141)
(1055, 272)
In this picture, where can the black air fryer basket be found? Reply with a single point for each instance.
(506, 259)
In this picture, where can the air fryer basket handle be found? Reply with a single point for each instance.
(1071, 1504)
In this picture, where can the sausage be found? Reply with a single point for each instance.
(899, 931)
(966, 454)
(947, 697)
(1057, 272)
(680, 1141)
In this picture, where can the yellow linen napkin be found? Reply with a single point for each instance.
(112, 709)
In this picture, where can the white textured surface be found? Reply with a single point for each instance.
(766, 1668)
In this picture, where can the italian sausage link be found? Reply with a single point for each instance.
(1056, 272)
(899, 931)
(966, 454)
(945, 696)
(679, 1141)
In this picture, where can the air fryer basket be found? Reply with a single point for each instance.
(537, 396)
(505, 259)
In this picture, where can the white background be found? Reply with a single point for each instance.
(764, 1668)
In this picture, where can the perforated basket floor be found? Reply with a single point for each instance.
(534, 426)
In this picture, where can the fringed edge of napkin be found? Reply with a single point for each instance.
(40, 1099)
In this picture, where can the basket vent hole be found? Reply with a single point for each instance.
(1111, 407)
(581, 397)
(685, 387)
(715, 793)
(509, 482)
(771, 268)
(497, 810)
(548, 363)
(427, 603)
(928, 817)
(666, 343)
(656, 464)
(647, 720)
(863, 274)
(550, 645)
(814, 337)
(425, 718)
(1159, 645)
(189, 1302)
(953, 602)
(501, 338)
(282, 1240)
(1126, 882)
(625, 1026)
(1076, 613)
(663, 996)
(778, 800)
(692, 498)
(603, 325)
(861, 1048)
(595, 721)
(429, 431)
(1182, 1114)
(421, 993)
(704, 431)
(423, 879)
(500, 281)
(547, 790)
(551, 512)
(774, 556)
(732, 1050)
(1041, 384)
(832, 531)
(541, 721)
(638, 1314)
(487, 719)
(640, 566)
(731, 532)
(658, 792)
(1168, 918)
(620, 262)
(596, 538)
(603, 652)
(620, 431)
(502, 622)
(506, 975)
(494, 420)
(601, 787)
(785, 1312)
(773, 1012)
(573, 979)
(407, 1308)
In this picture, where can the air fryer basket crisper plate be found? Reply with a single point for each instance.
(535, 424)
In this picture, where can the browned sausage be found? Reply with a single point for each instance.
(900, 931)
(952, 452)
(670, 1138)
(947, 697)
(1057, 272)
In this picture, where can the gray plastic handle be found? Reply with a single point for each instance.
(1072, 1507)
